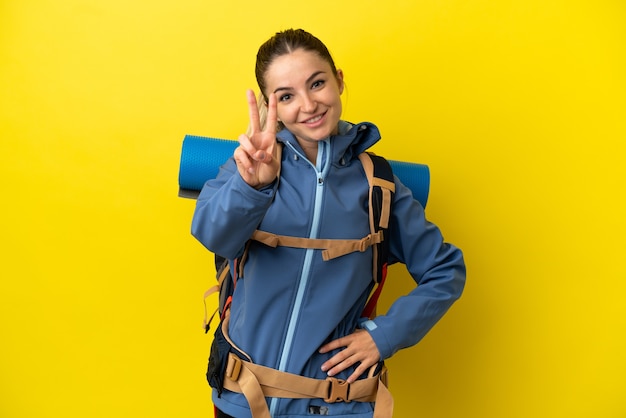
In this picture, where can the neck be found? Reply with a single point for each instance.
(310, 149)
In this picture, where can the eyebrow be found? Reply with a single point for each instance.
(308, 80)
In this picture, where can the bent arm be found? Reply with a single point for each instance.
(437, 267)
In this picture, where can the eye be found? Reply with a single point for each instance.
(284, 97)
(317, 84)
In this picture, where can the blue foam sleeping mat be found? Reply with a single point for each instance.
(201, 158)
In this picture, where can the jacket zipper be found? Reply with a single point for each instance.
(323, 165)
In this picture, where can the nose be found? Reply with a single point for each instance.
(308, 104)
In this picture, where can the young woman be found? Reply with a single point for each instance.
(297, 174)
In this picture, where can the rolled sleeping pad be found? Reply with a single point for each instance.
(201, 158)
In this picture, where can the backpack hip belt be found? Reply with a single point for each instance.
(256, 382)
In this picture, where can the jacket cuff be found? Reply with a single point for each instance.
(384, 349)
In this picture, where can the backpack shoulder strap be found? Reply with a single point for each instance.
(382, 188)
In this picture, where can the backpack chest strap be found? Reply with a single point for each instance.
(332, 248)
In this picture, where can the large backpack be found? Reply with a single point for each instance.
(380, 178)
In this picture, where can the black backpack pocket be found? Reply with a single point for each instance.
(218, 360)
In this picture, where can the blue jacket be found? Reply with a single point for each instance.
(290, 302)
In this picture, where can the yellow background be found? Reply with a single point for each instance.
(518, 107)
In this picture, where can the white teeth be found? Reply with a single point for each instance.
(315, 119)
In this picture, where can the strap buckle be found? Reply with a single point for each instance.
(370, 240)
(233, 367)
(338, 390)
(365, 243)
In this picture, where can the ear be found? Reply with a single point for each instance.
(340, 80)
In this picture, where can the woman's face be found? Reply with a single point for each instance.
(307, 93)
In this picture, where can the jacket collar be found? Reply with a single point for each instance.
(350, 141)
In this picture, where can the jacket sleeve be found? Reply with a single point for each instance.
(228, 211)
(437, 267)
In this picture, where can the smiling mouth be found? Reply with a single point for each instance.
(314, 119)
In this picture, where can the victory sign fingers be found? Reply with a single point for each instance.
(256, 156)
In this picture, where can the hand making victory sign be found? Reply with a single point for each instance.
(256, 155)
